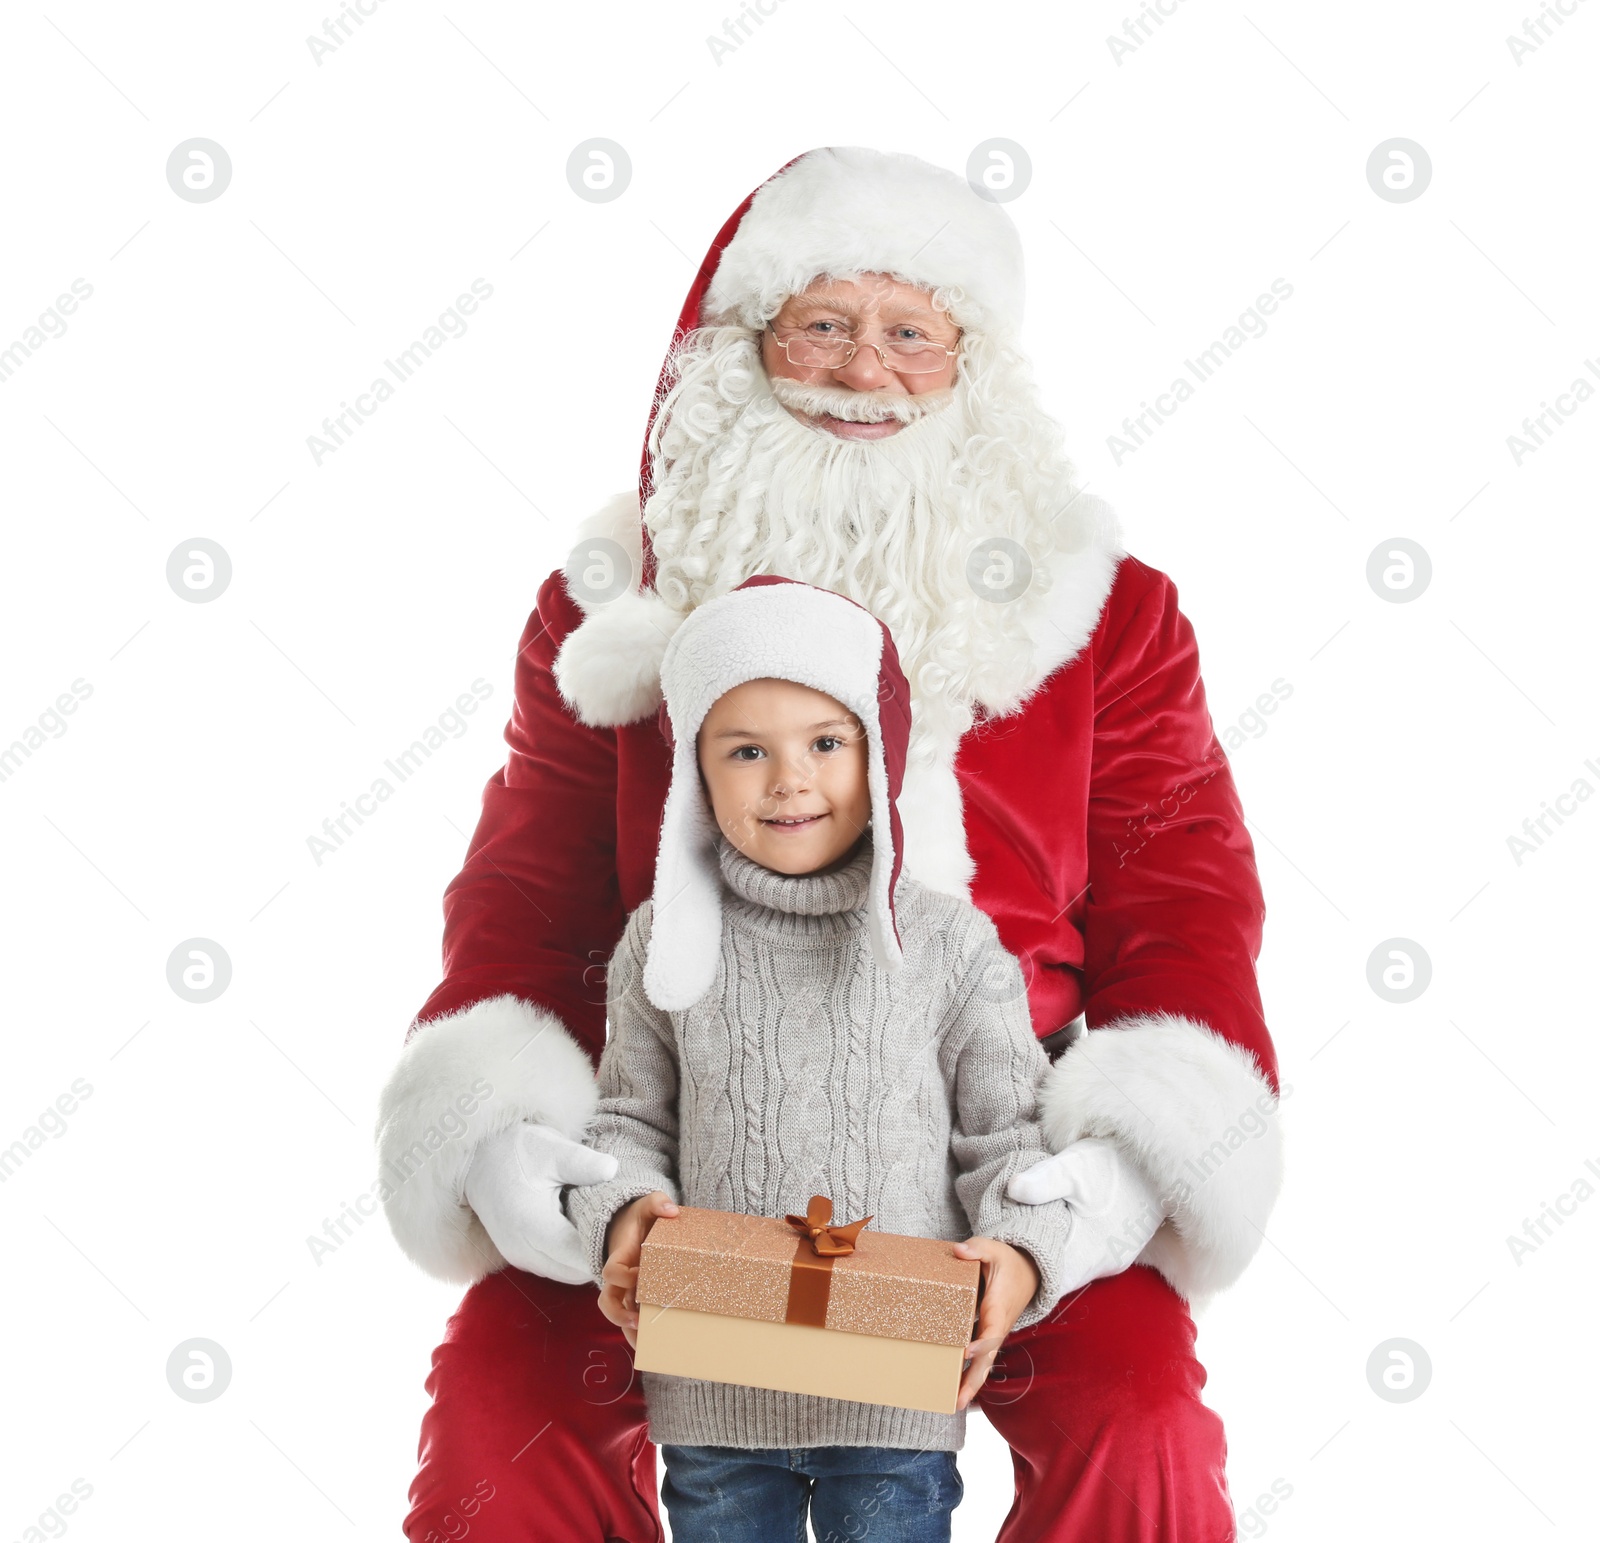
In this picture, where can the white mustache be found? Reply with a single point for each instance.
(820, 401)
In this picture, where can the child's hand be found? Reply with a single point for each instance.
(624, 1238)
(1010, 1279)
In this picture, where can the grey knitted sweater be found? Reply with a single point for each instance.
(807, 1070)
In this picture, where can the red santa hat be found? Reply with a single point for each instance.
(780, 629)
(837, 211)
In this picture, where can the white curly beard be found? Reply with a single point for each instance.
(743, 487)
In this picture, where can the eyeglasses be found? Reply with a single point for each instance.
(911, 357)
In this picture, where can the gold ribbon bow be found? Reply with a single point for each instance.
(826, 1241)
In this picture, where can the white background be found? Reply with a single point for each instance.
(1167, 192)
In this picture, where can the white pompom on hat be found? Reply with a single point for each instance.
(781, 629)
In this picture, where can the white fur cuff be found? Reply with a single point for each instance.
(460, 1079)
(1197, 1116)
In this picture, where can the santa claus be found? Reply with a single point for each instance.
(846, 402)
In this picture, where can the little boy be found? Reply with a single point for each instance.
(791, 1016)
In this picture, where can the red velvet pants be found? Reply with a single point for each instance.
(537, 1428)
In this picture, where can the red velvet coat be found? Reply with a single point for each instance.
(1108, 846)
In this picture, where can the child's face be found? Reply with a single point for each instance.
(786, 771)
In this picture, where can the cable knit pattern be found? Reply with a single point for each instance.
(808, 1070)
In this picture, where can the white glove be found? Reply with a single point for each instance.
(514, 1184)
(1115, 1208)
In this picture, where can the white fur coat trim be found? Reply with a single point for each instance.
(462, 1078)
(1197, 1116)
(933, 829)
(1062, 626)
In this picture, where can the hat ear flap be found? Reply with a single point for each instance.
(882, 928)
(686, 907)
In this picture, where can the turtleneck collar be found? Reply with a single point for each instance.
(822, 904)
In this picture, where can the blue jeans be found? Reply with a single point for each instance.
(855, 1494)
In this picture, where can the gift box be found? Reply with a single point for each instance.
(800, 1305)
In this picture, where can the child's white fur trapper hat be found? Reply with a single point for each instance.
(767, 628)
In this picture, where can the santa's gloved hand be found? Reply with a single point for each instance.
(1115, 1208)
(514, 1184)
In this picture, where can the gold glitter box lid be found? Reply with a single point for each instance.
(892, 1286)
